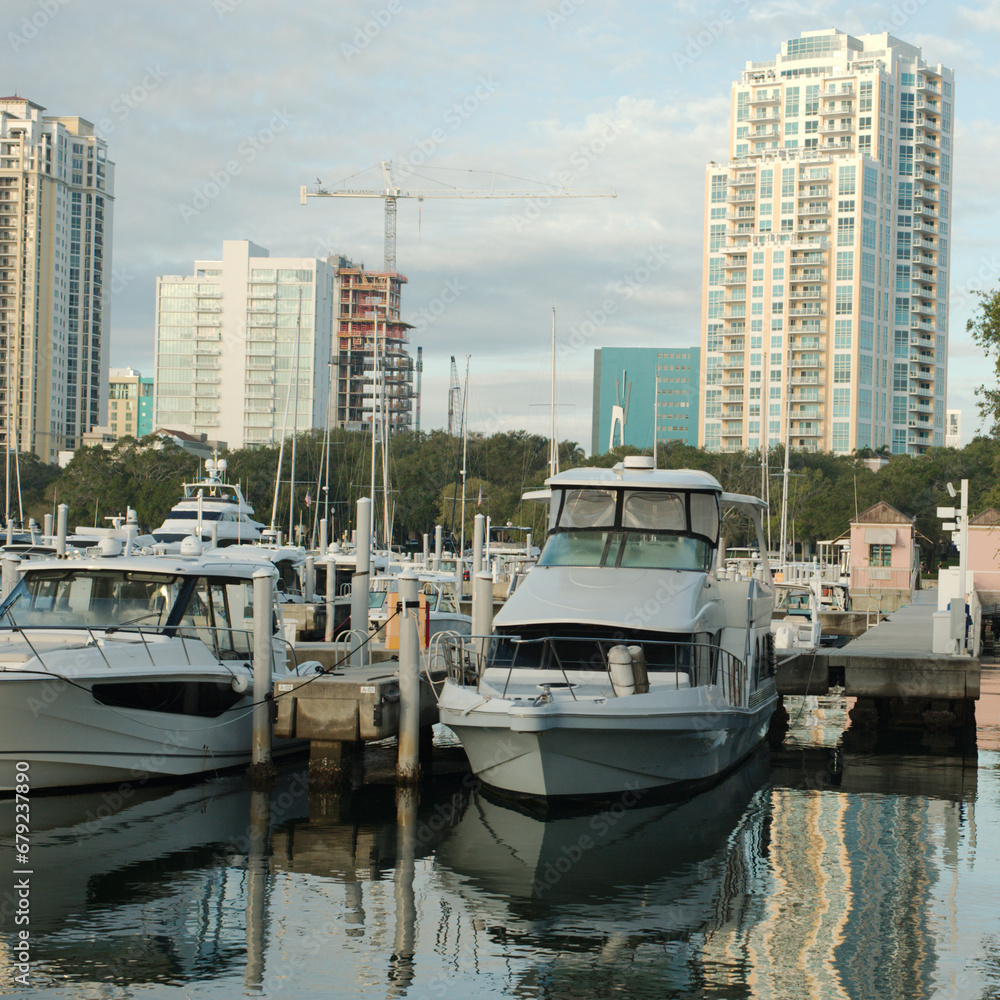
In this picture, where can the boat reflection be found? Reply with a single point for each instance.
(141, 885)
(626, 895)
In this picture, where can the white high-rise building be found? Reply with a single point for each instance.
(56, 202)
(825, 287)
(243, 346)
(953, 429)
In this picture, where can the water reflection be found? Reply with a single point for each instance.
(842, 865)
(620, 899)
(138, 885)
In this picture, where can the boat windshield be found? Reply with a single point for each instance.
(628, 549)
(654, 529)
(92, 598)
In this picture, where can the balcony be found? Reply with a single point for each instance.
(762, 98)
(734, 262)
(743, 180)
(735, 279)
(741, 216)
(807, 361)
(815, 192)
(807, 274)
(811, 313)
(813, 227)
(767, 118)
(813, 208)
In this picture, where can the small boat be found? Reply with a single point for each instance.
(624, 660)
(128, 667)
(211, 510)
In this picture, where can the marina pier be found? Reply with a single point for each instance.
(890, 669)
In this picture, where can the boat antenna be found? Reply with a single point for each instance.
(295, 423)
(553, 445)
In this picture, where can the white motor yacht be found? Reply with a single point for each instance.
(623, 661)
(212, 510)
(126, 668)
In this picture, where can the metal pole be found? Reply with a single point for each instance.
(62, 520)
(478, 531)
(361, 579)
(963, 555)
(408, 764)
(47, 528)
(438, 546)
(11, 572)
(331, 583)
(427, 551)
(263, 621)
(482, 607)
(309, 589)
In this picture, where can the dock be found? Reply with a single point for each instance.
(890, 669)
(341, 711)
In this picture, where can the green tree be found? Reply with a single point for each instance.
(985, 329)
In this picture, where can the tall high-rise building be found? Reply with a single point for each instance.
(243, 346)
(130, 403)
(642, 390)
(56, 207)
(373, 370)
(825, 286)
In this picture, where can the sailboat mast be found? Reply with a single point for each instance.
(295, 423)
(553, 445)
(465, 444)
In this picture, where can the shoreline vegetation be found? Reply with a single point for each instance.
(425, 485)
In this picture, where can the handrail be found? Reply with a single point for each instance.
(706, 663)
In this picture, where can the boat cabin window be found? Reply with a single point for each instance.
(219, 612)
(93, 599)
(655, 529)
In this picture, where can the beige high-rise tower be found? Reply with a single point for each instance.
(825, 286)
(56, 201)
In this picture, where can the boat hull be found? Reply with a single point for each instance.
(604, 751)
(68, 739)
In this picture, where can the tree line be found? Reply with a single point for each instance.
(423, 483)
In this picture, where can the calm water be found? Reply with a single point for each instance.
(869, 873)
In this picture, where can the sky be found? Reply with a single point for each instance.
(216, 112)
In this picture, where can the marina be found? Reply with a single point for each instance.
(777, 883)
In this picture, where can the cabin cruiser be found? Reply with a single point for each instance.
(129, 667)
(212, 510)
(624, 660)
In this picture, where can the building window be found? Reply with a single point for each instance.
(879, 555)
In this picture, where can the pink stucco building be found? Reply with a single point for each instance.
(885, 558)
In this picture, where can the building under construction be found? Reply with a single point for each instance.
(373, 373)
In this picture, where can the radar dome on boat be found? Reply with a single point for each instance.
(639, 462)
(210, 465)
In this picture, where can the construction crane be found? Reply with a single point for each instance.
(454, 398)
(392, 193)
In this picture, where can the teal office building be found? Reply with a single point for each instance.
(637, 389)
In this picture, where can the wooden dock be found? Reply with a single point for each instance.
(341, 711)
(890, 669)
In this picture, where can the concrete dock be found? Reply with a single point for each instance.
(890, 669)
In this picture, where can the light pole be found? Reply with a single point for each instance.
(959, 527)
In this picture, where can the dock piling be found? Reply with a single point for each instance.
(408, 764)
(261, 768)
(360, 580)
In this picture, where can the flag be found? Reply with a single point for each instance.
(308, 499)
(479, 502)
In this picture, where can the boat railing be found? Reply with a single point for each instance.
(586, 658)
(223, 642)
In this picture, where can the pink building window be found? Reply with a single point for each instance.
(879, 555)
